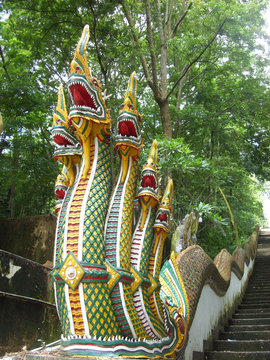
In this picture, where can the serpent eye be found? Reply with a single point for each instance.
(95, 83)
(77, 69)
(131, 106)
(122, 106)
(58, 121)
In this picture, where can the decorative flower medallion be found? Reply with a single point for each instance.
(71, 271)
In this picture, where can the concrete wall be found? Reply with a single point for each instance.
(31, 237)
(213, 312)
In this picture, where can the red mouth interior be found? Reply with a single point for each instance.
(60, 193)
(148, 181)
(163, 217)
(81, 96)
(61, 140)
(127, 128)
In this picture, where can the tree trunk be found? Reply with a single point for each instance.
(211, 145)
(165, 119)
(11, 201)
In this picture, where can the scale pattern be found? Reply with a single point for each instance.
(61, 228)
(99, 312)
(140, 297)
(76, 208)
(127, 216)
(77, 316)
(112, 226)
(62, 308)
(154, 269)
(93, 246)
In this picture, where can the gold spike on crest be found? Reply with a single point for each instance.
(131, 93)
(79, 63)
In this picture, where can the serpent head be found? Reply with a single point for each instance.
(68, 147)
(148, 189)
(128, 138)
(88, 113)
(163, 212)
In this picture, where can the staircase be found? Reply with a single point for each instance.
(248, 334)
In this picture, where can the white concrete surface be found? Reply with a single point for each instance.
(211, 308)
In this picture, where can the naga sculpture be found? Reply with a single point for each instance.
(113, 298)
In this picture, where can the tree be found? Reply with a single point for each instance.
(201, 79)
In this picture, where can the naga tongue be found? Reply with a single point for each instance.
(77, 97)
(163, 217)
(60, 194)
(124, 129)
(148, 181)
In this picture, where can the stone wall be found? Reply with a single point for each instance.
(31, 237)
(27, 312)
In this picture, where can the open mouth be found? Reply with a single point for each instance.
(61, 140)
(81, 96)
(163, 217)
(127, 128)
(149, 181)
(60, 194)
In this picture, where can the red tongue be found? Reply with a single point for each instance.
(60, 194)
(162, 217)
(148, 181)
(124, 129)
(60, 140)
(77, 97)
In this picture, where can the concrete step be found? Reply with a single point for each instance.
(255, 306)
(246, 335)
(258, 284)
(246, 327)
(249, 316)
(257, 292)
(235, 355)
(259, 300)
(262, 296)
(240, 345)
(264, 279)
(252, 321)
(247, 310)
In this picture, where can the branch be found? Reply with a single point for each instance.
(163, 54)
(185, 189)
(102, 68)
(196, 59)
(180, 19)
(151, 46)
(4, 63)
(136, 41)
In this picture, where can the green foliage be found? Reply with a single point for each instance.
(216, 82)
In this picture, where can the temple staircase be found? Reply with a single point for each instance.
(248, 334)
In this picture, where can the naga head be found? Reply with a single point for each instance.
(61, 185)
(164, 209)
(128, 138)
(68, 147)
(88, 113)
(148, 192)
